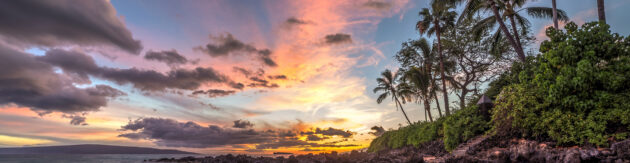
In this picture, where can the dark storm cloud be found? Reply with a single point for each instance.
(79, 64)
(377, 130)
(171, 57)
(242, 124)
(65, 22)
(338, 38)
(377, 5)
(215, 92)
(226, 45)
(171, 133)
(30, 82)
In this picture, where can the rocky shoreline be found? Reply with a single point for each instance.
(485, 150)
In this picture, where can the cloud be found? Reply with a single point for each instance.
(171, 133)
(296, 21)
(76, 119)
(226, 45)
(377, 130)
(30, 82)
(171, 58)
(79, 64)
(338, 38)
(258, 82)
(215, 92)
(242, 124)
(333, 131)
(65, 22)
(277, 77)
(377, 5)
(315, 138)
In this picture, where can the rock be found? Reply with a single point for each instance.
(622, 149)
(572, 156)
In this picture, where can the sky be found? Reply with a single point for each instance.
(213, 77)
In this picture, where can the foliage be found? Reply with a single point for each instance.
(575, 93)
(415, 134)
(464, 124)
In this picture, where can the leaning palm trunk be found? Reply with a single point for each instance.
(427, 108)
(601, 12)
(437, 103)
(516, 37)
(401, 109)
(555, 14)
(517, 48)
(444, 90)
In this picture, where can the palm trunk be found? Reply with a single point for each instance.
(427, 108)
(601, 12)
(444, 91)
(425, 115)
(401, 108)
(518, 49)
(555, 14)
(437, 103)
(516, 37)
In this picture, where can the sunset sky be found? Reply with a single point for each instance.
(214, 77)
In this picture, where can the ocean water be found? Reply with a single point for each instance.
(85, 158)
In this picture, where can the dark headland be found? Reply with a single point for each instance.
(89, 149)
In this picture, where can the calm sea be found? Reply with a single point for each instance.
(85, 158)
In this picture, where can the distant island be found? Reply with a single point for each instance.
(89, 149)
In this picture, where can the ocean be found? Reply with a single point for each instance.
(85, 158)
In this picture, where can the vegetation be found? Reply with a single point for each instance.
(389, 88)
(574, 92)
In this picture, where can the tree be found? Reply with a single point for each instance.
(418, 87)
(473, 58)
(418, 53)
(511, 9)
(601, 12)
(433, 21)
(386, 84)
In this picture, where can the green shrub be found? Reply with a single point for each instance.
(414, 134)
(463, 125)
(576, 92)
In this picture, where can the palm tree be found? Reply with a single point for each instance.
(433, 21)
(474, 6)
(386, 85)
(511, 10)
(418, 86)
(601, 11)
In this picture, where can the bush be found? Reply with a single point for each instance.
(463, 125)
(415, 134)
(576, 92)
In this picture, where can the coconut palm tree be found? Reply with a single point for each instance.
(601, 12)
(433, 21)
(474, 6)
(511, 11)
(418, 86)
(386, 84)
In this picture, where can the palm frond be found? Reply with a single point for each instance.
(382, 97)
